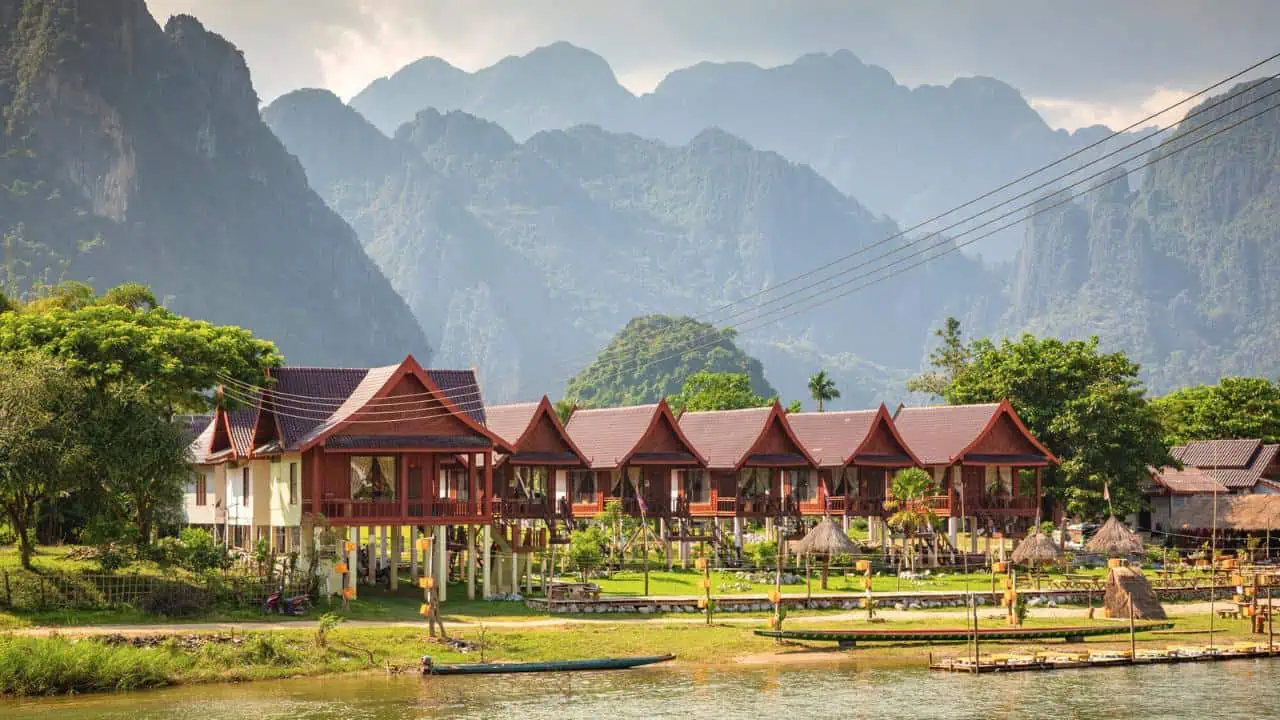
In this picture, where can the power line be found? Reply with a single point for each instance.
(327, 404)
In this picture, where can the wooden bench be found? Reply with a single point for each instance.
(574, 592)
(1233, 613)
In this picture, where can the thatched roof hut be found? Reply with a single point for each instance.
(1125, 583)
(1115, 538)
(1035, 549)
(825, 538)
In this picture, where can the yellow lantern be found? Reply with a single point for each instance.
(1010, 596)
(705, 583)
(1237, 579)
(424, 544)
(775, 597)
(999, 567)
(340, 568)
(863, 566)
(1248, 611)
(348, 592)
(349, 546)
(424, 609)
(700, 564)
(866, 583)
(1237, 598)
(426, 583)
(702, 603)
(1115, 563)
(1007, 583)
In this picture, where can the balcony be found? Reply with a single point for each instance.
(438, 511)
(525, 509)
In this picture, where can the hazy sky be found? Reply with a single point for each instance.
(1078, 61)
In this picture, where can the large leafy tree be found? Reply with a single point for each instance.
(908, 505)
(42, 453)
(717, 391)
(822, 388)
(1237, 407)
(1086, 406)
(949, 359)
(125, 339)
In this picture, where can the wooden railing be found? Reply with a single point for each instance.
(524, 509)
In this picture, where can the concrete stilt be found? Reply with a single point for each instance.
(528, 574)
(371, 552)
(737, 533)
(486, 580)
(440, 563)
(382, 544)
(953, 530)
(515, 573)
(973, 535)
(353, 557)
(396, 539)
(471, 562)
(413, 553)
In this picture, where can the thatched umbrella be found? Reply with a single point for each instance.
(1036, 548)
(1115, 539)
(826, 537)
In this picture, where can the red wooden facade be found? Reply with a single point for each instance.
(858, 453)
(531, 482)
(756, 466)
(374, 449)
(987, 463)
(633, 453)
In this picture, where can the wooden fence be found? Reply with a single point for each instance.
(24, 590)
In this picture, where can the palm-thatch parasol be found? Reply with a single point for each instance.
(1036, 548)
(1114, 539)
(826, 537)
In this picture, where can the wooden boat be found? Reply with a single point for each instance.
(848, 638)
(430, 668)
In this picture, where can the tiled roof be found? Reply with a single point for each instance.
(1227, 462)
(200, 446)
(323, 384)
(423, 442)
(194, 425)
(938, 434)
(462, 389)
(509, 422)
(240, 429)
(1187, 482)
(374, 380)
(608, 435)
(831, 437)
(724, 437)
(1218, 453)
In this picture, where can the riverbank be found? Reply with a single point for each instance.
(106, 659)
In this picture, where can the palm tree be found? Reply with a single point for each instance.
(908, 501)
(822, 388)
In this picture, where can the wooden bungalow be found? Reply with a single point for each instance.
(757, 467)
(857, 453)
(532, 482)
(633, 453)
(986, 463)
(371, 443)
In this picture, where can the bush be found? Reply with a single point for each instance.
(859, 524)
(762, 554)
(201, 553)
(167, 552)
(174, 600)
(111, 559)
(57, 666)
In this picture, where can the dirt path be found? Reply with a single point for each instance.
(1179, 610)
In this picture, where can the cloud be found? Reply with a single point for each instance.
(1072, 114)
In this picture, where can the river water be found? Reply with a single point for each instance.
(1236, 689)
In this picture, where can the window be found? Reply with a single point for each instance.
(293, 483)
(582, 484)
(202, 494)
(753, 483)
(695, 486)
(244, 485)
(803, 488)
(373, 478)
(279, 540)
(530, 483)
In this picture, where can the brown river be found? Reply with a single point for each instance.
(1237, 689)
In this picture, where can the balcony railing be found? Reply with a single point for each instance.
(523, 509)
(389, 509)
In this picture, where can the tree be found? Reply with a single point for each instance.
(822, 388)
(41, 455)
(564, 408)
(134, 296)
(586, 549)
(716, 391)
(175, 358)
(908, 503)
(1085, 406)
(139, 457)
(949, 359)
(1237, 407)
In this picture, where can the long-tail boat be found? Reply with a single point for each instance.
(430, 668)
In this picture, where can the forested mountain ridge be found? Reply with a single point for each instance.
(134, 153)
(526, 258)
(906, 152)
(1180, 271)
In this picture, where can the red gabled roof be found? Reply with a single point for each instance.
(516, 422)
(727, 437)
(834, 439)
(943, 434)
(610, 436)
(201, 447)
(377, 383)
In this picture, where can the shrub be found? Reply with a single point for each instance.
(859, 524)
(111, 559)
(174, 600)
(200, 552)
(168, 551)
(762, 554)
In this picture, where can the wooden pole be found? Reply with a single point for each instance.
(977, 654)
(1271, 616)
(1133, 638)
(808, 581)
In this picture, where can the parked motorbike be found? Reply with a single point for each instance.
(277, 603)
